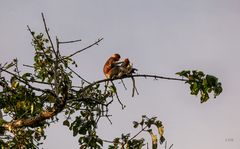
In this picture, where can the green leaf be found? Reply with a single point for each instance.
(184, 73)
(135, 124)
(113, 88)
(162, 139)
(75, 131)
(194, 88)
(212, 80)
(32, 108)
(66, 123)
(100, 141)
(26, 75)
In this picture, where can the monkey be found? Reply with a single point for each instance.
(110, 64)
(112, 69)
(126, 69)
(109, 68)
(118, 71)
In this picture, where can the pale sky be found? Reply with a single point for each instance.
(159, 37)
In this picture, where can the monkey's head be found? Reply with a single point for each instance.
(116, 57)
(126, 61)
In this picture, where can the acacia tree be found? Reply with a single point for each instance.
(31, 101)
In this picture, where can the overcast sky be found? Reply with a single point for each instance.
(159, 37)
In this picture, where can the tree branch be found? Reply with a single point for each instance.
(78, 75)
(134, 76)
(123, 106)
(26, 83)
(95, 43)
(71, 41)
(42, 116)
(28, 122)
(47, 31)
(143, 129)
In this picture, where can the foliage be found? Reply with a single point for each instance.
(201, 83)
(31, 101)
(146, 126)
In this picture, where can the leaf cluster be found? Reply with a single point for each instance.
(202, 84)
(146, 125)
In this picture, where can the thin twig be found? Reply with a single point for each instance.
(123, 84)
(78, 75)
(107, 116)
(25, 65)
(95, 43)
(71, 41)
(56, 63)
(87, 99)
(123, 106)
(171, 146)
(143, 129)
(47, 31)
(134, 87)
(107, 141)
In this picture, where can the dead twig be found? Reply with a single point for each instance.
(95, 43)
(71, 41)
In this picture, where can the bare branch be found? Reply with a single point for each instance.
(95, 43)
(29, 66)
(47, 31)
(71, 41)
(56, 63)
(134, 87)
(134, 76)
(123, 106)
(78, 75)
(143, 129)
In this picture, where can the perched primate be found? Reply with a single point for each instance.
(115, 69)
(126, 69)
(110, 64)
(120, 69)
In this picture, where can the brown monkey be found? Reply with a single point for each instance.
(127, 69)
(124, 68)
(110, 64)
(119, 71)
